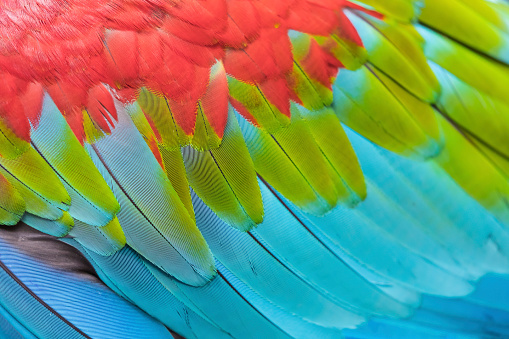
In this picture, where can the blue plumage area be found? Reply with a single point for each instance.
(408, 262)
(476, 241)
(11, 328)
(43, 296)
(367, 272)
(377, 263)
(474, 316)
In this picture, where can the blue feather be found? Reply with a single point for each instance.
(11, 328)
(127, 274)
(289, 238)
(152, 216)
(256, 266)
(49, 297)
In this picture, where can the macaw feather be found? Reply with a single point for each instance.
(473, 23)
(57, 228)
(421, 112)
(229, 186)
(393, 49)
(366, 105)
(476, 174)
(104, 240)
(49, 290)
(266, 274)
(175, 170)
(330, 136)
(11, 146)
(474, 112)
(55, 142)
(281, 159)
(401, 10)
(148, 293)
(151, 215)
(338, 280)
(37, 183)
(12, 204)
(485, 74)
(250, 98)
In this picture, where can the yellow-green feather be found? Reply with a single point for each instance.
(225, 179)
(469, 22)
(474, 172)
(421, 112)
(54, 140)
(176, 173)
(335, 146)
(475, 112)
(291, 162)
(12, 205)
(367, 106)
(11, 146)
(32, 171)
(394, 48)
(401, 10)
(252, 98)
(104, 240)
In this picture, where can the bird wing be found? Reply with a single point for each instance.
(288, 168)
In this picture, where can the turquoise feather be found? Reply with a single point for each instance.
(257, 267)
(292, 242)
(148, 293)
(11, 328)
(68, 303)
(152, 228)
(224, 306)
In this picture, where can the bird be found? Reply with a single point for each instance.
(254, 169)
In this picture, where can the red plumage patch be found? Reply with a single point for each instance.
(122, 57)
(215, 101)
(101, 108)
(70, 49)
(320, 65)
(244, 112)
(277, 92)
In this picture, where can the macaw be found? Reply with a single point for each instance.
(254, 168)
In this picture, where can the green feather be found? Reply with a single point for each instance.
(474, 112)
(176, 173)
(469, 22)
(225, 179)
(421, 112)
(312, 94)
(12, 205)
(254, 101)
(335, 146)
(291, 162)
(474, 173)
(401, 10)
(56, 143)
(30, 170)
(367, 106)
(478, 71)
(11, 146)
(396, 50)
(104, 240)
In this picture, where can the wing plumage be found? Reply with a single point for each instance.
(255, 168)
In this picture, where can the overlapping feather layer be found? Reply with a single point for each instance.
(277, 169)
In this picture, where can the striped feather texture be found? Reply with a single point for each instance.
(236, 169)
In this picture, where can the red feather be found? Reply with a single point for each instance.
(215, 102)
(70, 48)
